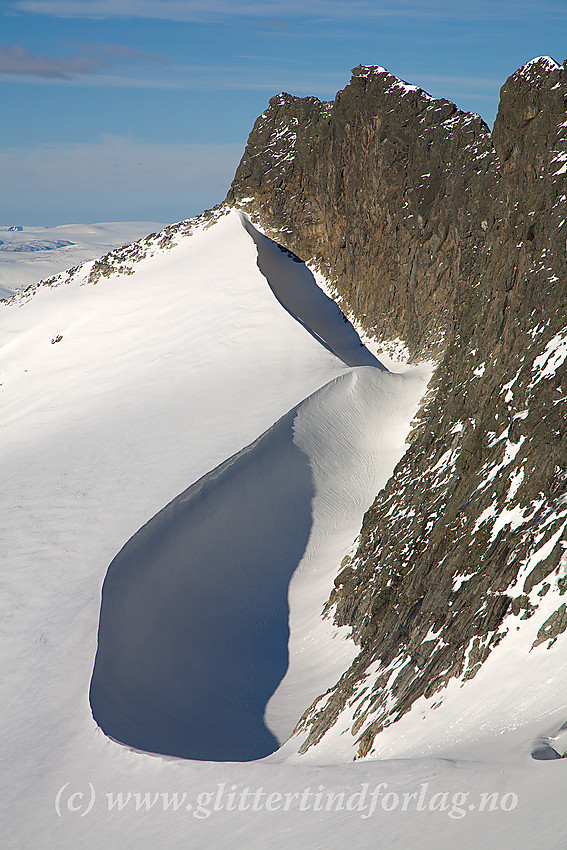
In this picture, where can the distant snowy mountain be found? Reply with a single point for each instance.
(30, 254)
(34, 245)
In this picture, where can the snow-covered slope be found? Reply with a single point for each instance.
(122, 385)
(31, 254)
(193, 635)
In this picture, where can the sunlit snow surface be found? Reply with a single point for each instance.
(118, 396)
(29, 254)
(211, 571)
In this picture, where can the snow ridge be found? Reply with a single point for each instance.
(168, 617)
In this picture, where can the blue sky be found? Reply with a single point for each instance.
(140, 109)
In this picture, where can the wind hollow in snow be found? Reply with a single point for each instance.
(193, 632)
(194, 620)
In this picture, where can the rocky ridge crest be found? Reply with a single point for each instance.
(452, 238)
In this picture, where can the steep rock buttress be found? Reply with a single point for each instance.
(436, 231)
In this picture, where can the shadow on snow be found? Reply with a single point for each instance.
(193, 628)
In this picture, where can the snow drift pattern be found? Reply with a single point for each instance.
(193, 632)
(194, 620)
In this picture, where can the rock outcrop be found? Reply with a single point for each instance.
(387, 190)
(452, 238)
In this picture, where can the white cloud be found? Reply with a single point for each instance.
(204, 77)
(197, 10)
(87, 59)
(18, 60)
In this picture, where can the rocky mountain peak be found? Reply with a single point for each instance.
(435, 231)
(540, 67)
(370, 189)
(532, 108)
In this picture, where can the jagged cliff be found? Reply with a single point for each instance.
(452, 238)
(379, 190)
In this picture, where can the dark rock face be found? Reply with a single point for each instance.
(372, 188)
(433, 230)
